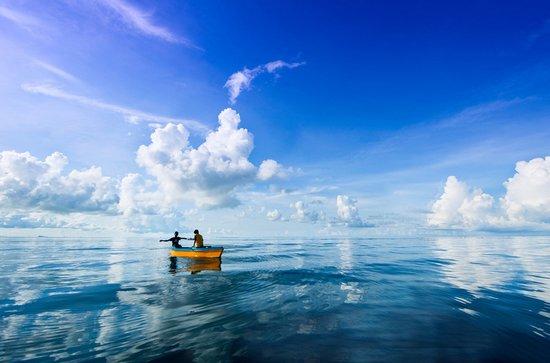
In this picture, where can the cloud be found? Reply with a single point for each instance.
(207, 175)
(141, 21)
(270, 169)
(347, 212)
(23, 21)
(29, 183)
(137, 197)
(26, 219)
(145, 208)
(241, 80)
(274, 215)
(304, 214)
(130, 115)
(478, 113)
(528, 192)
(271, 67)
(459, 206)
(526, 203)
(58, 72)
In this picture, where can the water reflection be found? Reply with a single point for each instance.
(353, 290)
(509, 271)
(506, 264)
(277, 300)
(194, 265)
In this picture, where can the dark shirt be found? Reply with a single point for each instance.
(175, 241)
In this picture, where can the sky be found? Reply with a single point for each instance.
(348, 118)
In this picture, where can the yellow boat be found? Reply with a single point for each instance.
(197, 252)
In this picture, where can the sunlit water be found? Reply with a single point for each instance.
(277, 300)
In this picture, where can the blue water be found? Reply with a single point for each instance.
(277, 300)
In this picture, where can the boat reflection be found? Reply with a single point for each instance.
(194, 265)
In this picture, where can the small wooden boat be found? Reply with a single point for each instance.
(197, 252)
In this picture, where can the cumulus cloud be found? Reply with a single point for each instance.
(461, 206)
(304, 214)
(274, 215)
(270, 169)
(528, 192)
(137, 197)
(242, 80)
(145, 208)
(27, 182)
(347, 211)
(209, 174)
(526, 202)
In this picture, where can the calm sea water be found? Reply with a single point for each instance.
(277, 300)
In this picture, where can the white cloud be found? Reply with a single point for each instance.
(22, 20)
(270, 169)
(130, 115)
(528, 192)
(274, 215)
(141, 21)
(145, 208)
(304, 214)
(526, 203)
(26, 219)
(57, 71)
(347, 211)
(207, 175)
(30, 183)
(460, 206)
(273, 66)
(241, 80)
(138, 197)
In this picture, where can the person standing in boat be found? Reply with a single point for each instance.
(198, 240)
(175, 240)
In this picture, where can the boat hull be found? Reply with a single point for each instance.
(193, 252)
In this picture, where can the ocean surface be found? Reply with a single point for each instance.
(453, 299)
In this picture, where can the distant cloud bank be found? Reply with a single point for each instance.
(526, 203)
(40, 193)
(27, 182)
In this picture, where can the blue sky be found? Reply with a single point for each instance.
(363, 109)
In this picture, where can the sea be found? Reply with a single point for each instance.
(330, 299)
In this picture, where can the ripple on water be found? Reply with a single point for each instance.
(277, 300)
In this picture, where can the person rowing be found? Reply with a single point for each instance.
(198, 241)
(175, 240)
